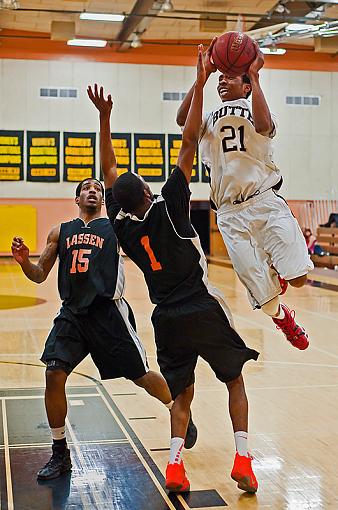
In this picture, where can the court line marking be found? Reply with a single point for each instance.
(248, 388)
(242, 291)
(272, 330)
(9, 485)
(34, 397)
(318, 314)
(23, 355)
(89, 441)
(139, 455)
(85, 496)
(304, 363)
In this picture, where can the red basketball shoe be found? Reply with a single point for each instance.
(284, 285)
(294, 333)
(176, 479)
(242, 474)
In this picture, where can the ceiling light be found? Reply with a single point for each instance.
(136, 41)
(92, 43)
(98, 16)
(157, 5)
(9, 4)
(316, 13)
(167, 6)
(300, 27)
(281, 9)
(273, 51)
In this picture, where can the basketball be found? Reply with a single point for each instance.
(233, 53)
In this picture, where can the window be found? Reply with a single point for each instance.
(303, 100)
(61, 93)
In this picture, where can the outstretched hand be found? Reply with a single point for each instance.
(201, 71)
(208, 63)
(97, 98)
(258, 63)
(19, 250)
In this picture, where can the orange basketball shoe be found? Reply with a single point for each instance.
(176, 479)
(294, 333)
(242, 474)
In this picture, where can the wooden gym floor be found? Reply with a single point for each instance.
(119, 435)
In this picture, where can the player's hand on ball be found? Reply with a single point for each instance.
(19, 250)
(258, 63)
(201, 72)
(97, 98)
(208, 63)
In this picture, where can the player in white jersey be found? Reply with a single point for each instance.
(263, 239)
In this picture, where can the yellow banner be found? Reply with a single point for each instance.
(9, 173)
(149, 143)
(79, 160)
(9, 140)
(43, 142)
(78, 174)
(10, 149)
(79, 142)
(43, 160)
(150, 172)
(43, 151)
(43, 172)
(15, 160)
(79, 151)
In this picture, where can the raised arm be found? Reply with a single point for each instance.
(210, 68)
(37, 272)
(107, 154)
(260, 109)
(192, 125)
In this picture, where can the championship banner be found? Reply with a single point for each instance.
(149, 151)
(122, 148)
(11, 155)
(43, 156)
(79, 156)
(174, 145)
(205, 173)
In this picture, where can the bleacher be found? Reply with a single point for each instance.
(327, 238)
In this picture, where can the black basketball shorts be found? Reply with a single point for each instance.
(106, 332)
(200, 327)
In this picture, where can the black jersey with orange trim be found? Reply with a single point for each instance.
(89, 263)
(164, 243)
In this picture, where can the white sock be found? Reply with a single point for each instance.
(241, 441)
(58, 433)
(176, 449)
(169, 406)
(281, 314)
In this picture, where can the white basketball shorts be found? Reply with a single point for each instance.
(259, 233)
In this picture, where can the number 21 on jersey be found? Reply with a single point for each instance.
(230, 139)
(155, 264)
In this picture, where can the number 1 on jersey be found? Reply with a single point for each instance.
(155, 265)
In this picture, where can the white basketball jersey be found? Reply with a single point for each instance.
(238, 159)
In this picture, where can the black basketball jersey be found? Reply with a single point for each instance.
(164, 244)
(89, 263)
